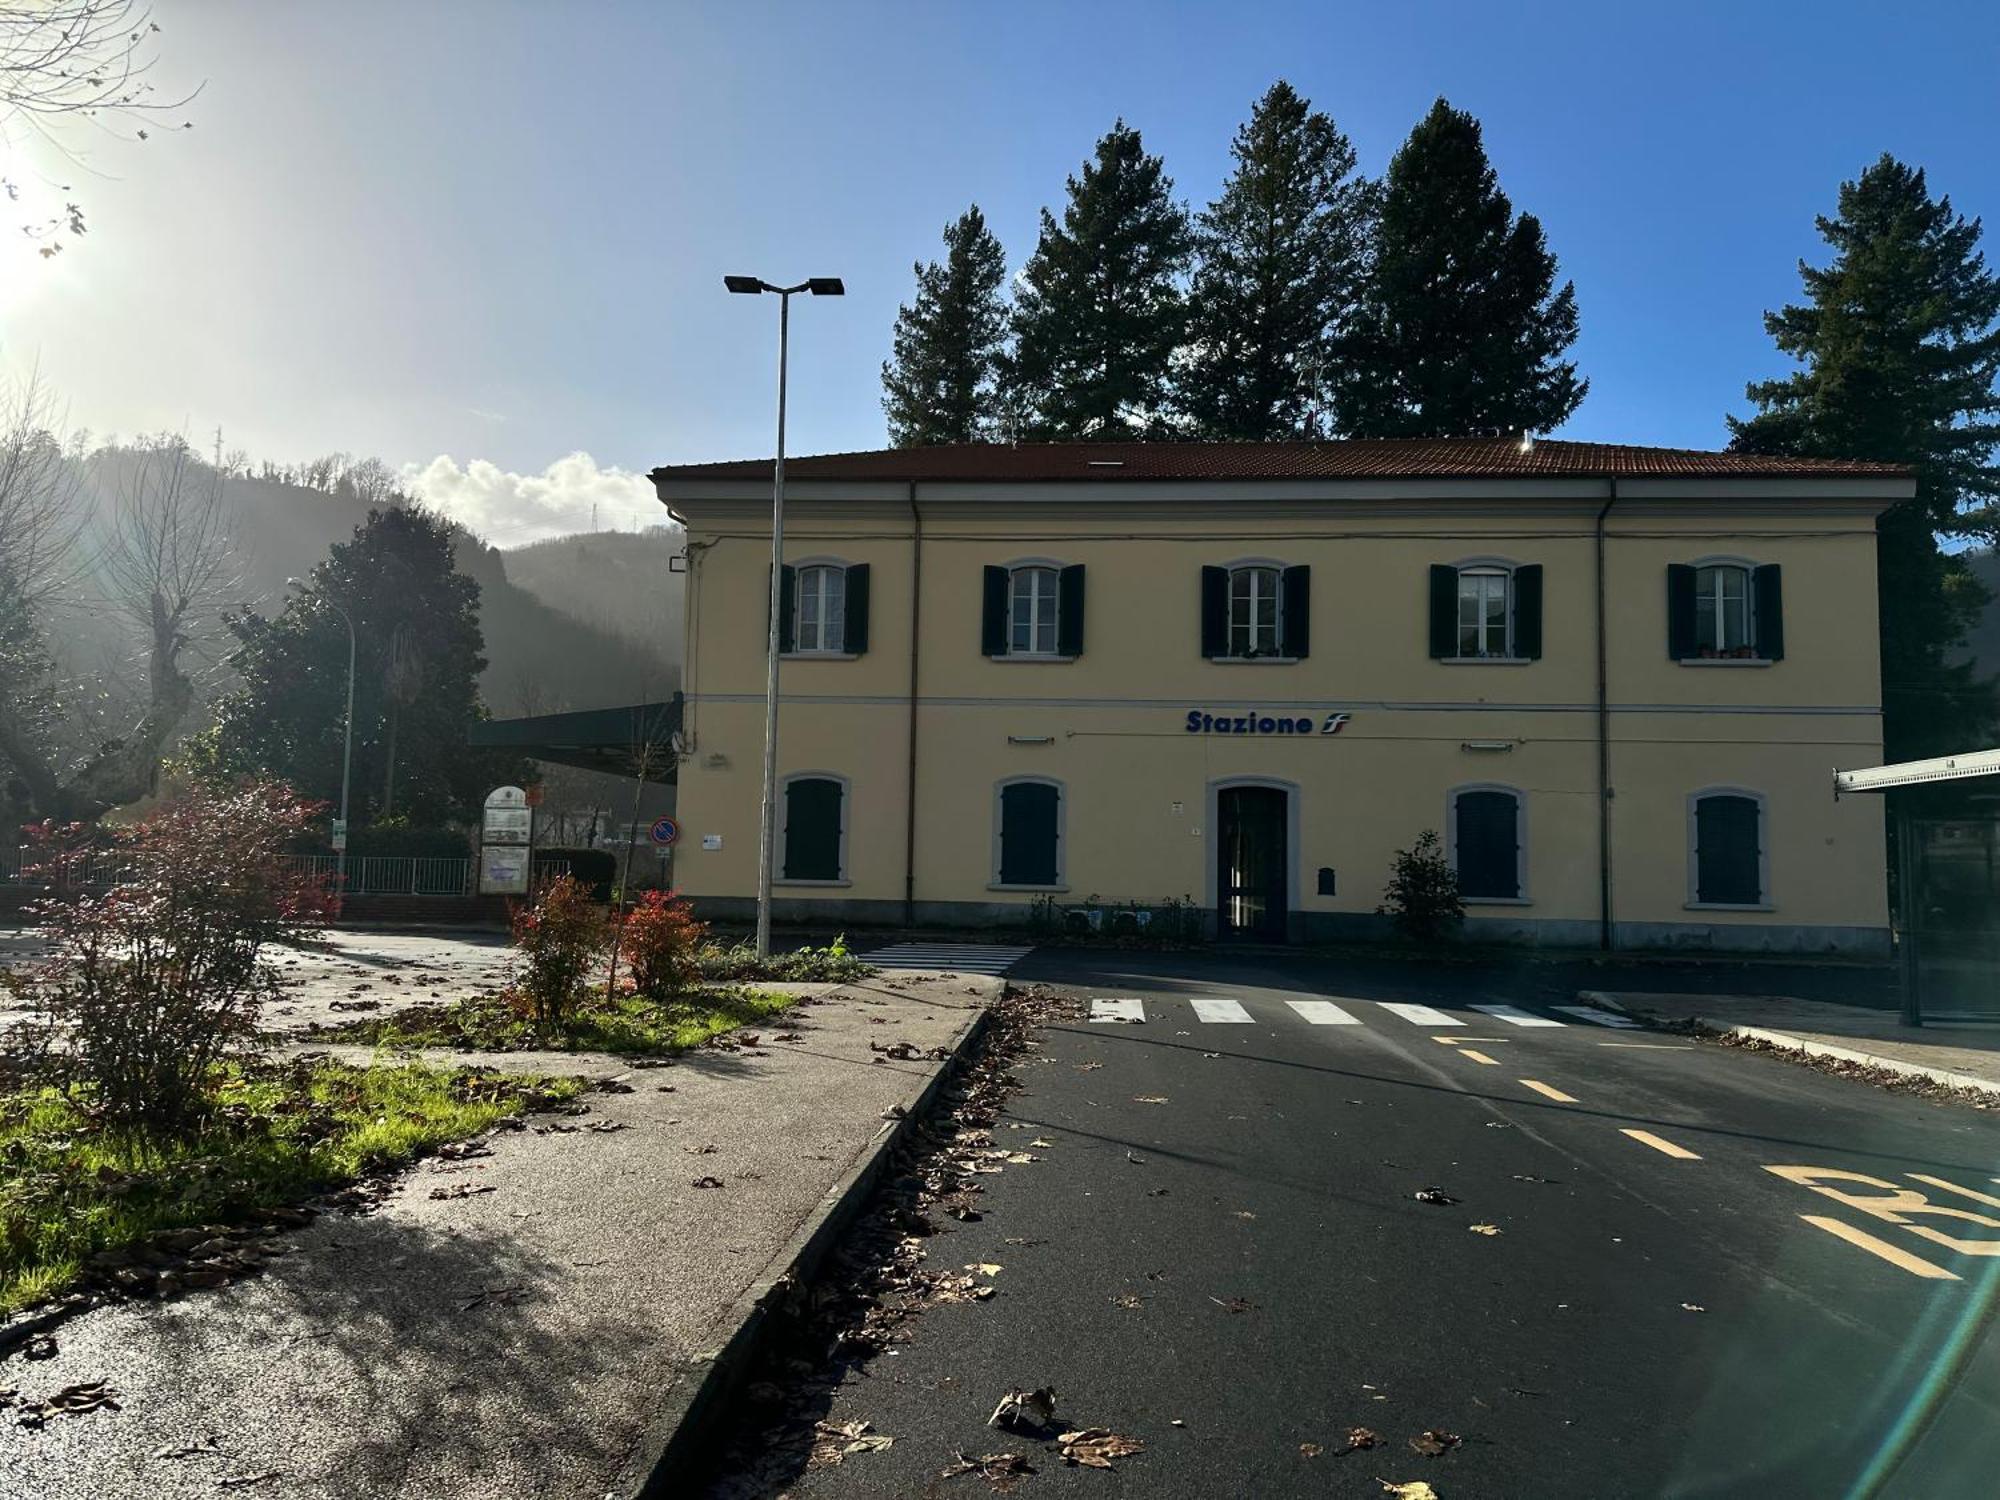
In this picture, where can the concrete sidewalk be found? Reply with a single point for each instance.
(1962, 1053)
(530, 1340)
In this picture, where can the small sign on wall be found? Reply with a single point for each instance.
(711, 841)
(503, 871)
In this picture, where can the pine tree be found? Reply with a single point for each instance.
(1460, 329)
(939, 387)
(1100, 311)
(1900, 339)
(1280, 255)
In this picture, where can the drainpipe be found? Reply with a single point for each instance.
(1603, 741)
(910, 782)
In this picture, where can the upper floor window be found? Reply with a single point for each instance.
(1725, 610)
(1726, 849)
(1255, 611)
(1486, 611)
(1033, 609)
(823, 608)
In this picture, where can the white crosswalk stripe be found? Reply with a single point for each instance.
(1516, 1017)
(1419, 1015)
(958, 958)
(1323, 1013)
(1126, 1011)
(1225, 1011)
(1598, 1017)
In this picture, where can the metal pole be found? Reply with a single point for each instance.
(766, 834)
(346, 760)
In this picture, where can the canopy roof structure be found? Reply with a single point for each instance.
(1917, 772)
(636, 741)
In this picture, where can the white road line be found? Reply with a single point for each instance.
(963, 958)
(1418, 1015)
(1323, 1013)
(1597, 1017)
(1225, 1011)
(1515, 1017)
(1118, 1010)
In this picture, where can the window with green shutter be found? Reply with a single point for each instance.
(1030, 834)
(1728, 849)
(1486, 843)
(815, 813)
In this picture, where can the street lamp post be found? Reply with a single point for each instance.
(819, 286)
(347, 742)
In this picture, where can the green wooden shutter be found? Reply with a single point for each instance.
(1528, 611)
(1297, 613)
(1028, 833)
(1680, 612)
(993, 614)
(1214, 612)
(812, 828)
(1768, 600)
(1728, 860)
(855, 636)
(1489, 844)
(1444, 610)
(788, 608)
(1069, 611)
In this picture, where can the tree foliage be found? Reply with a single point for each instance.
(1460, 329)
(1280, 255)
(417, 647)
(1899, 339)
(1099, 310)
(939, 386)
(1422, 895)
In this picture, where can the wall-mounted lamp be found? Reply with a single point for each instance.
(1031, 739)
(1486, 745)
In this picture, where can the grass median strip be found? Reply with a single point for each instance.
(622, 1024)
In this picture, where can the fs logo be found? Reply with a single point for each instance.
(1334, 724)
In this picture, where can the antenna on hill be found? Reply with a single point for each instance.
(593, 516)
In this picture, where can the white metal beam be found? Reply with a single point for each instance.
(1913, 772)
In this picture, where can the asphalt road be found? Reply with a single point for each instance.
(1656, 1315)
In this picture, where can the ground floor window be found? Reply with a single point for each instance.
(1728, 849)
(1030, 833)
(815, 811)
(1486, 843)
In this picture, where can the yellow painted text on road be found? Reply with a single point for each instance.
(1916, 1265)
(1479, 1057)
(1894, 1204)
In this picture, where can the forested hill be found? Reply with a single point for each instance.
(1983, 644)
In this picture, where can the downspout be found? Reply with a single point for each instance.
(1603, 740)
(910, 782)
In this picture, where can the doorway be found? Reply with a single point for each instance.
(1252, 828)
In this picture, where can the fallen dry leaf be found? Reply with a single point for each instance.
(1414, 1489)
(1095, 1447)
(708, 1182)
(994, 1466)
(1234, 1304)
(1036, 1408)
(1693, 1307)
(984, 1268)
(1043, 1143)
(1484, 1228)
(1310, 1450)
(1435, 1440)
(1434, 1195)
(1357, 1438)
(1149, 1098)
(237, 1481)
(461, 1190)
(1127, 1301)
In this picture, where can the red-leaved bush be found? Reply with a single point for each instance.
(153, 980)
(661, 937)
(559, 935)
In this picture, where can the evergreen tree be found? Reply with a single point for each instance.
(1460, 329)
(1900, 340)
(939, 387)
(1099, 311)
(1280, 256)
(416, 625)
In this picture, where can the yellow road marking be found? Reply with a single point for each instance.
(1951, 1187)
(1896, 1205)
(1542, 1088)
(1658, 1143)
(1894, 1254)
(1453, 1041)
(1479, 1057)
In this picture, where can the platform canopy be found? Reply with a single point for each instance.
(637, 740)
(1917, 772)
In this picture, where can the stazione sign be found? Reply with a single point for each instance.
(1262, 721)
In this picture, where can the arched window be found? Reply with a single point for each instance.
(1486, 609)
(1726, 846)
(1031, 611)
(1028, 833)
(1485, 612)
(1724, 615)
(814, 847)
(1488, 840)
(821, 601)
(1255, 611)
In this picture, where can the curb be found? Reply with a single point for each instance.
(676, 1438)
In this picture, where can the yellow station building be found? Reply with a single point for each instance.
(1614, 680)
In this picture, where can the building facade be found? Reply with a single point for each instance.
(1614, 681)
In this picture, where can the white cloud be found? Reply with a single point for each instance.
(509, 509)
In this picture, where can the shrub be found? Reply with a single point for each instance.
(835, 962)
(148, 986)
(1422, 894)
(595, 869)
(559, 934)
(662, 939)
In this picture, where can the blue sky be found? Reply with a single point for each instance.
(493, 234)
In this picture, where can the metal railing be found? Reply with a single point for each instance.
(392, 875)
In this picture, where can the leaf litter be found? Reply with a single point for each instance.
(1095, 1447)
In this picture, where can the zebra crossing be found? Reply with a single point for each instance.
(959, 958)
(1133, 1010)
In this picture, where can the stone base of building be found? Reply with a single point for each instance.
(1014, 919)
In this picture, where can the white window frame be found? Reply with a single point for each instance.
(1031, 652)
(1526, 898)
(1485, 567)
(783, 831)
(1062, 833)
(799, 648)
(1694, 801)
(1254, 565)
(1748, 570)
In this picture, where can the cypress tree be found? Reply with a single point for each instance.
(1900, 347)
(1460, 328)
(1099, 311)
(1279, 257)
(939, 386)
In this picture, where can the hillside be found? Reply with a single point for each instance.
(618, 582)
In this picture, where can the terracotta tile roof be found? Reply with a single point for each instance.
(1357, 458)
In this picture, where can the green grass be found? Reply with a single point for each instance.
(282, 1133)
(625, 1024)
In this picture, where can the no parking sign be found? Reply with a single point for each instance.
(666, 832)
